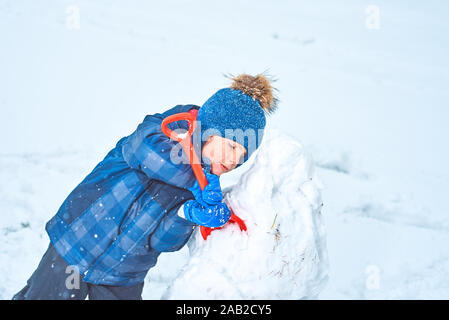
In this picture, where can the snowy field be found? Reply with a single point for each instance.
(363, 85)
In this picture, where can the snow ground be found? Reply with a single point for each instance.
(369, 104)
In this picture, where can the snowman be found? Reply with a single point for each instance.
(282, 254)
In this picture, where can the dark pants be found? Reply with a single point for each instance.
(52, 280)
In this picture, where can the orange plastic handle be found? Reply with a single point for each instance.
(205, 231)
(185, 141)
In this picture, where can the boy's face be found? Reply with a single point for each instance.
(224, 154)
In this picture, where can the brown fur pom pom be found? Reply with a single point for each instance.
(257, 87)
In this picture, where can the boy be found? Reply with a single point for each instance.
(138, 202)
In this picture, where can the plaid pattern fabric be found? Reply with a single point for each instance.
(117, 221)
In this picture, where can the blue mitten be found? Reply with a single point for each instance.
(211, 216)
(212, 193)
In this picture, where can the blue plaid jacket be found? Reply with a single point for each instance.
(117, 221)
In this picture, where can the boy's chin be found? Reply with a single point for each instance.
(216, 169)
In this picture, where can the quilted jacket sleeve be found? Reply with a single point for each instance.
(149, 150)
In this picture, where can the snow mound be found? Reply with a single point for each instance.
(283, 254)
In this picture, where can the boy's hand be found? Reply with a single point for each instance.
(211, 216)
(212, 194)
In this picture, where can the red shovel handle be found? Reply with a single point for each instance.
(205, 231)
(185, 141)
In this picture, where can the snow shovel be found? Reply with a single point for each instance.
(185, 140)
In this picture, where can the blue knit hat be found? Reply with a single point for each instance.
(239, 112)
